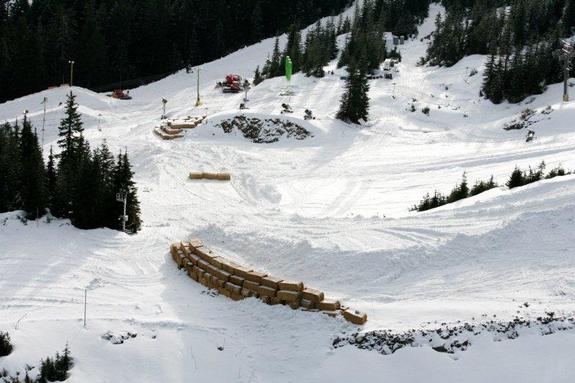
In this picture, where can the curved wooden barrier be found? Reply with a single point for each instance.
(237, 282)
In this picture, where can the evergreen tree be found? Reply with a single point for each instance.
(72, 155)
(275, 65)
(354, 105)
(70, 130)
(10, 168)
(258, 78)
(123, 182)
(32, 189)
(293, 48)
(51, 179)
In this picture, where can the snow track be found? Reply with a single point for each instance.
(331, 210)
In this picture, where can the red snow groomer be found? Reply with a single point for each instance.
(233, 84)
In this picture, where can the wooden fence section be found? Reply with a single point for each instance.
(238, 282)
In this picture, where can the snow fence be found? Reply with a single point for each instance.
(238, 282)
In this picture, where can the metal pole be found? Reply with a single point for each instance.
(566, 77)
(85, 305)
(71, 62)
(44, 121)
(124, 216)
(198, 100)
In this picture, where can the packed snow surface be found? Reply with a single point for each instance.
(331, 210)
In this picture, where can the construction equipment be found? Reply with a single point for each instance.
(119, 94)
(233, 84)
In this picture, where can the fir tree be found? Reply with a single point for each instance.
(123, 182)
(293, 48)
(70, 130)
(354, 105)
(258, 78)
(51, 179)
(32, 187)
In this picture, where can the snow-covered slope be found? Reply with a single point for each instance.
(331, 210)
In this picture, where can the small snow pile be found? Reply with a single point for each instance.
(264, 131)
(450, 339)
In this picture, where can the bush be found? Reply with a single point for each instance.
(426, 110)
(428, 202)
(517, 179)
(521, 178)
(5, 345)
(557, 172)
(460, 192)
(482, 186)
(56, 370)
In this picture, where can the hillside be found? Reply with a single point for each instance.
(332, 210)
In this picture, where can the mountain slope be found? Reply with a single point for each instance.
(331, 210)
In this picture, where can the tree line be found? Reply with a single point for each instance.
(78, 183)
(113, 41)
(518, 178)
(521, 37)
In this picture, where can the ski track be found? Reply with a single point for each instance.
(331, 211)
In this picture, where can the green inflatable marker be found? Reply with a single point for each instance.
(289, 68)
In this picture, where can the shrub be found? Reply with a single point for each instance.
(428, 202)
(460, 192)
(557, 172)
(426, 110)
(482, 186)
(516, 179)
(56, 370)
(5, 345)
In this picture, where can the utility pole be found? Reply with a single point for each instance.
(71, 62)
(44, 101)
(198, 100)
(123, 197)
(567, 53)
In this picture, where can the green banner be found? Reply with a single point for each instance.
(289, 68)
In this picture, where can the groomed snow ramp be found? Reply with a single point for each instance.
(238, 282)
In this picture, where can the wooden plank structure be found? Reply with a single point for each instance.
(237, 282)
(172, 130)
(211, 176)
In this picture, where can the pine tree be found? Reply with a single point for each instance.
(72, 156)
(293, 48)
(275, 67)
(258, 78)
(32, 189)
(51, 179)
(123, 182)
(354, 105)
(10, 169)
(70, 129)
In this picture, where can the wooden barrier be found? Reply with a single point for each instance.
(211, 176)
(237, 282)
